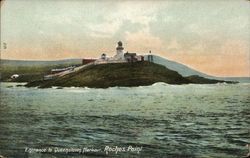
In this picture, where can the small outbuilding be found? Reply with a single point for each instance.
(130, 57)
(14, 76)
(104, 56)
(86, 61)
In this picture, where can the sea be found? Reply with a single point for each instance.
(161, 120)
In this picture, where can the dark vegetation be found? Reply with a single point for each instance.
(27, 73)
(120, 74)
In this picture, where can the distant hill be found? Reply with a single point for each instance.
(31, 70)
(187, 71)
(6, 62)
(120, 74)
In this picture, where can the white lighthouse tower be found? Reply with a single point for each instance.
(119, 52)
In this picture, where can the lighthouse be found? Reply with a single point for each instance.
(119, 51)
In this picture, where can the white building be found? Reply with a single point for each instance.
(119, 52)
(120, 56)
(14, 76)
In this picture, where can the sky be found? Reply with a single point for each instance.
(211, 36)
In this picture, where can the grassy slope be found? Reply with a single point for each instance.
(27, 73)
(120, 74)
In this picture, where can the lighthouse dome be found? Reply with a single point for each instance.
(119, 43)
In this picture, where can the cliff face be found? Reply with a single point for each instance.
(119, 74)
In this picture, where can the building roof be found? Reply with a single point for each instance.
(129, 54)
(120, 43)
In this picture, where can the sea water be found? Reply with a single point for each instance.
(148, 121)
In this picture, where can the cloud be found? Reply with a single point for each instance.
(185, 31)
(143, 41)
(135, 12)
(235, 48)
(104, 30)
(173, 45)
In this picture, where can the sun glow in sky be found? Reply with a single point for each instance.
(212, 36)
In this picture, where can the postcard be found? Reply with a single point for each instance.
(125, 78)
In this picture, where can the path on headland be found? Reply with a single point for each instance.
(51, 76)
